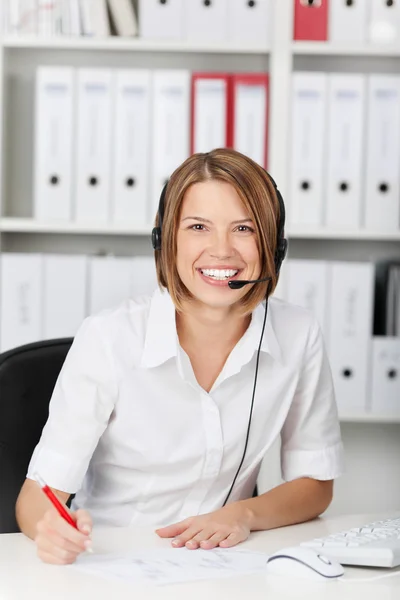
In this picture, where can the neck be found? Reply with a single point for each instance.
(204, 326)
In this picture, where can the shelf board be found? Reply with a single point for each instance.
(369, 418)
(18, 225)
(342, 234)
(327, 48)
(119, 44)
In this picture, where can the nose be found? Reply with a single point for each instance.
(221, 246)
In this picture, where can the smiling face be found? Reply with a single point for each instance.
(216, 243)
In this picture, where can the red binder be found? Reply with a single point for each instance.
(254, 119)
(311, 20)
(225, 79)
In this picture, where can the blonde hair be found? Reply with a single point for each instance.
(259, 197)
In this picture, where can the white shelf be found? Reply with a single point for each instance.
(119, 44)
(17, 225)
(370, 418)
(342, 234)
(327, 48)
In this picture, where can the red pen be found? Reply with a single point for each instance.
(55, 501)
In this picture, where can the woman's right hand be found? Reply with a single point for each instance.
(59, 543)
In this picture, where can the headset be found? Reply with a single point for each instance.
(280, 254)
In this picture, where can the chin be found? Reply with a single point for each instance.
(223, 298)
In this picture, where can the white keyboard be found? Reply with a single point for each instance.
(373, 545)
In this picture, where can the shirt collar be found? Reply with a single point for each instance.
(161, 341)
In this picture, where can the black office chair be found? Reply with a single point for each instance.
(27, 378)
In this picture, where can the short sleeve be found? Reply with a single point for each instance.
(82, 402)
(311, 440)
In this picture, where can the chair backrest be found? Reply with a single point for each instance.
(27, 378)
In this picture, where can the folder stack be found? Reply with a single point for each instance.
(235, 22)
(344, 21)
(106, 141)
(345, 151)
(48, 296)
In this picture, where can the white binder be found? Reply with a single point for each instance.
(170, 128)
(94, 145)
(346, 124)
(350, 333)
(385, 389)
(348, 21)
(307, 286)
(308, 148)
(250, 23)
(382, 185)
(64, 295)
(210, 109)
(21, 300)
(161, 20)
(53, 143)
(131, 156)
(110, 282)
(250, 116)
(144, 276)
(206, 21)
(384, 24)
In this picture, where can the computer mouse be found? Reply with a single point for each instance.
(300, 561)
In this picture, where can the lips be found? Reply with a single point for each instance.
(218, 282)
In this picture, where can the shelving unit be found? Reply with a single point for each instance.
(364, 434)
(19, 57)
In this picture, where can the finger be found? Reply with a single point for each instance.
(174, 530)
(46, 547)
(231, 540)
(83, 521)
(202, 536)
(214, 540)
(186, 538)
(56, 540)
(49, 558)
(56, 524)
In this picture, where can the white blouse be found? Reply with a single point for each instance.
(133, 434)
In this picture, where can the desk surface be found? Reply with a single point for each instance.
(23, 575)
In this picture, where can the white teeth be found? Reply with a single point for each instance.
(220, 274)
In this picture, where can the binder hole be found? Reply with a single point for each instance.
(389, 2)
(383, 187)
(344, 186)
(207, 2)
(130, 182)
(251, 3)
(347, 373)
(54, 180)
(392, 373)
(349, 3)
(93, 181)
(305, 185)
(163, 1)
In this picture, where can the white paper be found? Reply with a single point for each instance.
(172, 565)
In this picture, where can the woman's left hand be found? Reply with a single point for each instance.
(225, 528)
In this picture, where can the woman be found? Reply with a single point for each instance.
(156, 419)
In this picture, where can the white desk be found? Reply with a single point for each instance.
(24, 577)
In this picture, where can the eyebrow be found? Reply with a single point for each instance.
(202, 220)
